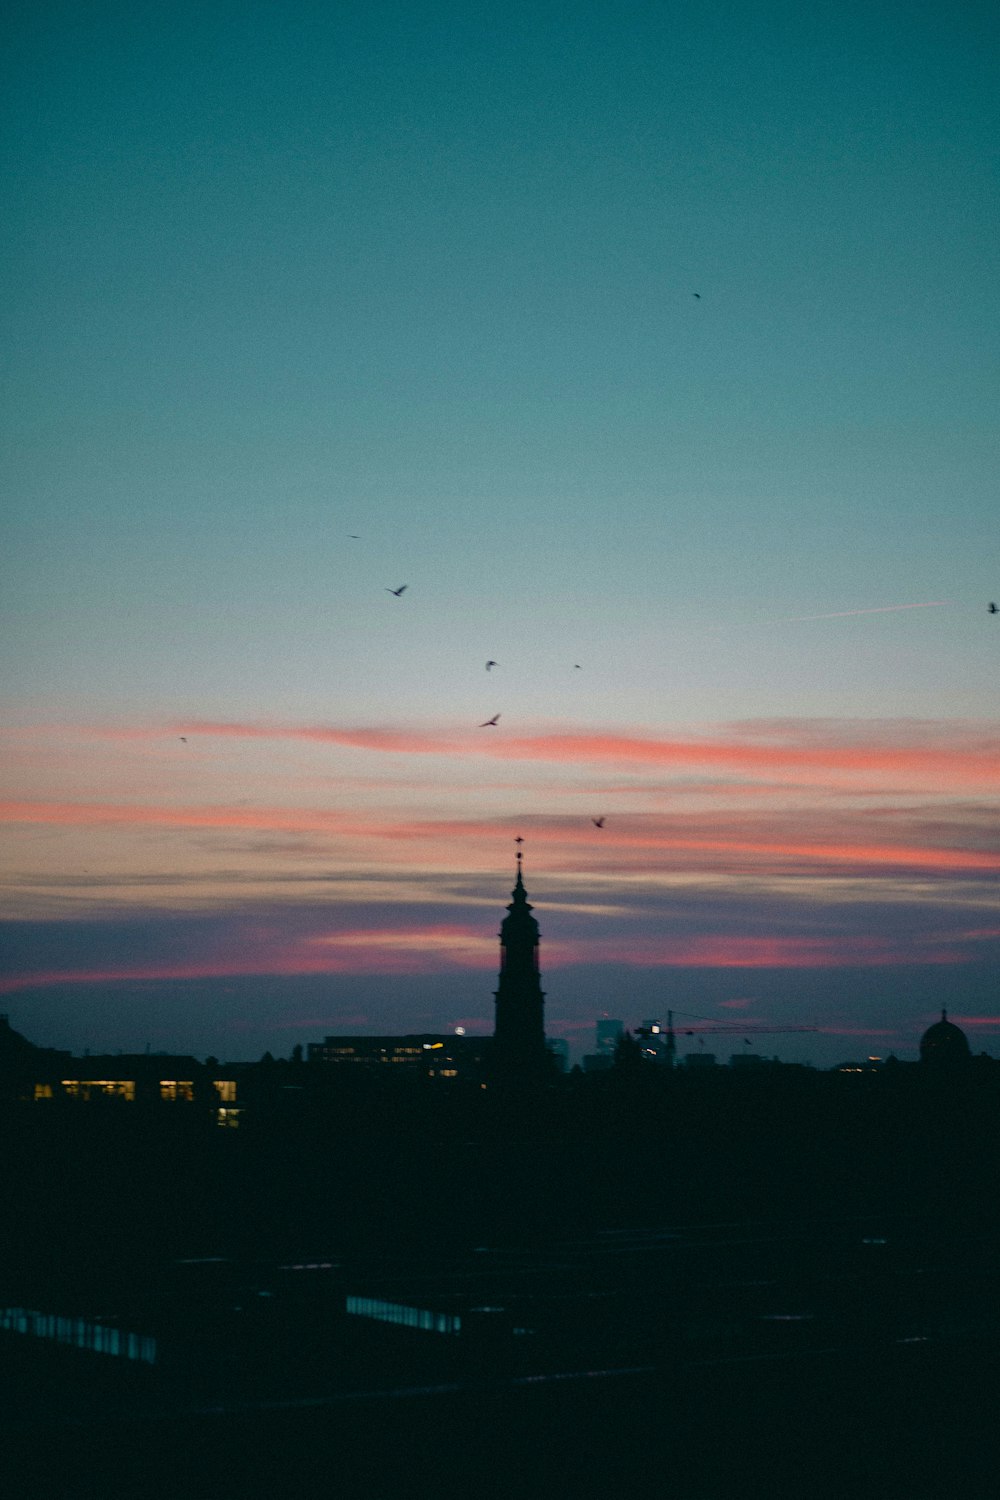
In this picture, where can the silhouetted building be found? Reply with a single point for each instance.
(598, 1062)
(157, 1078)
(747, 1062)
(519, 1032)
(558, 1050)
(944, 1045)
(608, 1031)
(428, 1054)
(23, 1065)
(700, 1060)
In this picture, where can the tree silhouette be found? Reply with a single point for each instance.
(628, 1053)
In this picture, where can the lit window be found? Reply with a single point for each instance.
(43, 1091)
(172, 1089)
(96, 1088)
(226, 1090)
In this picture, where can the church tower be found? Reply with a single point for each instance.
(519, 1032)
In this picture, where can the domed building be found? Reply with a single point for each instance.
(944, 1045)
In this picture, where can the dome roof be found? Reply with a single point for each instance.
(944, 1044)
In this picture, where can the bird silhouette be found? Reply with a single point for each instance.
(993, 608)
(401, 590)
(598, 822)
(490, 664)
(696, 294)
(183, 739)
(487, 723)
(576, 666)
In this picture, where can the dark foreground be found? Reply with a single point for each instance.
(911, 1422)
(712, 1294)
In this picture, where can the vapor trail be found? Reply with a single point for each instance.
(879, 609)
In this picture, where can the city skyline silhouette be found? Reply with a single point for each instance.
(447, 444)
(652, 358)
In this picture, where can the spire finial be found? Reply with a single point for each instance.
(519, 883)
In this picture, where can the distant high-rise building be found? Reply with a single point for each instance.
(608, 1032)
(519, 1033)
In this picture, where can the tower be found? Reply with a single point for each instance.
(519, 1030)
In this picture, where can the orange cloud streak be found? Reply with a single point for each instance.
(960, 765)
(458, 832)
(297, 820)
(727, 952)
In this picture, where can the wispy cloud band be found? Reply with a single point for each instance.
(637, 836)
(932, 757)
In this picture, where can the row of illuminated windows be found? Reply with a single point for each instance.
(171, 1089)
(94, 1088)
(407, 1317)
(79, 1332)
(409, 1055)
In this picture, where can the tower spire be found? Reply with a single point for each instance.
(519, 1032)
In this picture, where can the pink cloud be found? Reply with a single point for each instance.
(965, 759)
(630, 842)
(725, 952)
(955, 767)
(421, 949)
(450, 943)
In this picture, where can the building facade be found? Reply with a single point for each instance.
(424, 1054)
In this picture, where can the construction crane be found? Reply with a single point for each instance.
(667, 1049)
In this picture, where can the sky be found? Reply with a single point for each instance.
(654, 348)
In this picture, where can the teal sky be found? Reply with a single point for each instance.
(427, 273)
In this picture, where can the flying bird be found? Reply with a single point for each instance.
(993, 608)
(401, 590)
(487, 723)
(183, 739)
(491, 664)
(696, 294)
(598, 822)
